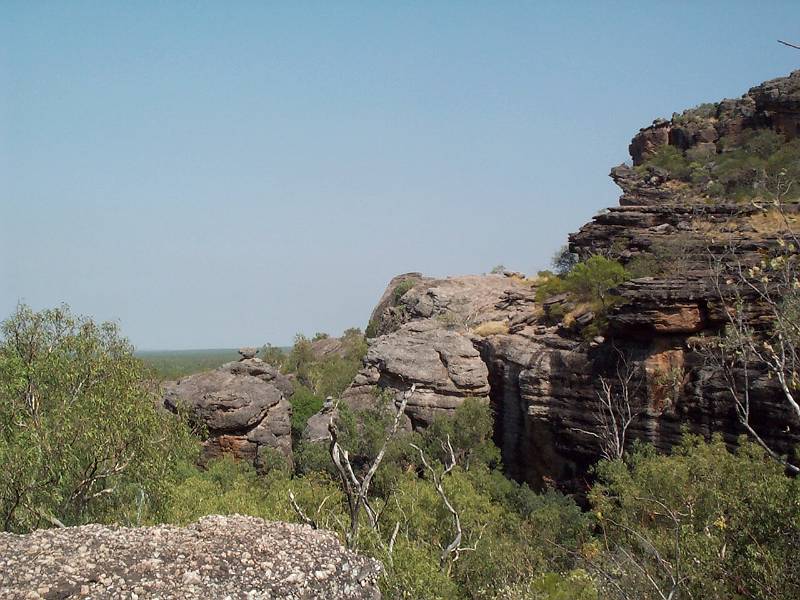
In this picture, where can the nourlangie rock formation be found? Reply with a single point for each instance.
(538, 361)
(488, 337)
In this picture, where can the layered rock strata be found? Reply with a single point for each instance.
(486, 336)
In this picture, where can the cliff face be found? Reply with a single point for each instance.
(485, 336)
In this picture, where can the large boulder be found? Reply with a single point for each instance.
(430, 336)
(242, 406)
(217, 557)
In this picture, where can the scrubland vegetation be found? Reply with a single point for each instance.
(82, 441)
(740, 166)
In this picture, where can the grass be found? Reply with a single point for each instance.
(491, 328)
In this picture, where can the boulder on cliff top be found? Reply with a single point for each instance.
(243, 407)
(216, 557)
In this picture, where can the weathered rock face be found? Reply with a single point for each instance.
(217, 557)
(429, 341)
(243, 405)
(543, 380)
(443, 364)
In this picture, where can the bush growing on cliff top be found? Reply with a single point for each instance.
(588, 281)
(401, 289)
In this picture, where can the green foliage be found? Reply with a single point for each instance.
(305, 403)
(701, 112)
(644, 265)
(498, 270)
(74, 402)
(320, 377)
(727, 524)
(550, 285)
(80, 438)
(469, 431)
(228, 486)
(574, 585)
(564, 260)
(273, 355)
(372, 329)
(591, 280)
(300, 358)
(401, 289)
(669, 256)
(672, 160)
(588, 281)
(745, 165)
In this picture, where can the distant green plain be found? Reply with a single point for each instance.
(173, 364)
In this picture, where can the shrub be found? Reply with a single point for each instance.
(273, 355)
(305, 403)
(672, 160)
(644, 265)
(591, 280)
(401, 289)
(729, 521)
(372, 329)
(564, 260)
(80, 437)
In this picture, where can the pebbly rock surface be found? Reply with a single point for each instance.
(217, 557)
(243, 406)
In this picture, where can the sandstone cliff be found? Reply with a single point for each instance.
(487, 337)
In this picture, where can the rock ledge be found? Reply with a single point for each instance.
(216, 557)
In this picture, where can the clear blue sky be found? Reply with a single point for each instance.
(225, 173)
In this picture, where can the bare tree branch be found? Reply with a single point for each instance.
(357, 490)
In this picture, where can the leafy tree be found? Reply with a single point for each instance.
(80, 437)
(591, 280)
(273, 355)
(564, 260)
(469, 431)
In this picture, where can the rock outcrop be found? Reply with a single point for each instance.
(486, 336)
(217, 557)
(429, 338)
(242, 406)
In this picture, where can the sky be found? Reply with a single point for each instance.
(219, 174)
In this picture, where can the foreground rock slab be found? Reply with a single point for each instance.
(216, 557)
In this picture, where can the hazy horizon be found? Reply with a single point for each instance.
(228, 175)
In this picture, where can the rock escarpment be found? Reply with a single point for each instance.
(217, 557)
(486, 336)
(242, 406)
